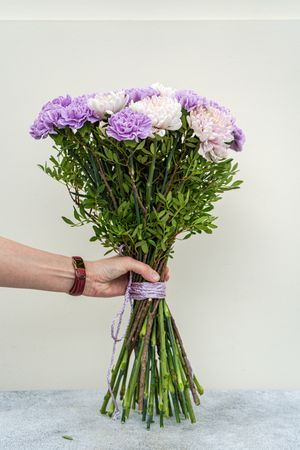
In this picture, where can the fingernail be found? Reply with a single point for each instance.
(155, 276)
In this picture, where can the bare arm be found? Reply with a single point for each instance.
(22, 266)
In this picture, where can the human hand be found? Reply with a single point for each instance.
(108, 277)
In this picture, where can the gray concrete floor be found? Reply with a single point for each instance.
(227, 420)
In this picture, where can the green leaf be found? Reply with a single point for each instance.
(69, 438)
(68, 221)
(237, 183)
(108, 251)
(145, 247)
(76, 215)
(201, 219)
(58, 138)
(161, 197)
(181, 198)
(141, 145)
(152, 149)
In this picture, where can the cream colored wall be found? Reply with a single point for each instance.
(235, 293)
(156, 9)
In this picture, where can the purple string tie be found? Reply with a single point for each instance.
(134, 291)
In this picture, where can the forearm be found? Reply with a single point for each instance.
(22, 266)
(27, 267)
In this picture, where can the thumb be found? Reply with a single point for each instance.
(141, 268)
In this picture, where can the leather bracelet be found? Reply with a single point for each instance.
(80, 276)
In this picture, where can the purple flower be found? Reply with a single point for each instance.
(129, 125)
(49, 117)
(90, 113)
(58, 102)
(76, 113)
(189, 99)
(217, 105)
(137, 94)
(39, 129)
(239, 139)
(61, 112)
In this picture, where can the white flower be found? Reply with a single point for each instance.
(163, 90)
(164, 112)
(108, 102)
(214, 127)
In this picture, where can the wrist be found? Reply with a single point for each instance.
(61, 274)
(51, 273)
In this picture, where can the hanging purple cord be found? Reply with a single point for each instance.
(134, 291)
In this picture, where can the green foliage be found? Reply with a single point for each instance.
(143, 194)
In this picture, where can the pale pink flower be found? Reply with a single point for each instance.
(214, 127)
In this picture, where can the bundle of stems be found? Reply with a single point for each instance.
(161, 381)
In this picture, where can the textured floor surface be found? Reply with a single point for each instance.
(227, 420)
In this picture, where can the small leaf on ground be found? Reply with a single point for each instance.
(70, 438)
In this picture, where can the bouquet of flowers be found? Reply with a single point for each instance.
(144, 166)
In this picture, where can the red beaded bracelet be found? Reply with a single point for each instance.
(80, 276)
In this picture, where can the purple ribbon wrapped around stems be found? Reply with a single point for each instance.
(134, 291)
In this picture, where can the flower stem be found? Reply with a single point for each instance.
(131, 174)
(152, 388)
(168, 165)
(151, 317)
(186, 364)
(134, 373)
(150, 177)
(198, 386)
(163, 360)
